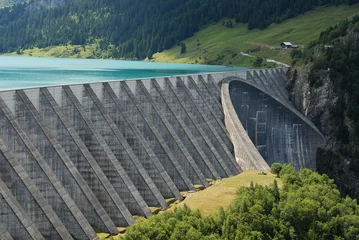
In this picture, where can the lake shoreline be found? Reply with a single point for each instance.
(22, 72)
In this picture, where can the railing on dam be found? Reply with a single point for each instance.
(84, 156)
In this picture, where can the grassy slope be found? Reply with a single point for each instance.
(219, 40)
(70, 51)
(222, 193)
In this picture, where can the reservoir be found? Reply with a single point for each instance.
(23, 72)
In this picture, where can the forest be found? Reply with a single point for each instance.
(308, 206)
(336, 54)
(135, 29)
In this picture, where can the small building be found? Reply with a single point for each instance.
(288, 45)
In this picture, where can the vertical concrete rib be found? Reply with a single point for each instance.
(274, 82)
(129, 160)
(214, 103)
(144, 152)
(117, 175)
(280, 78)
(83, 161)
(116, 142)
(45, 179)
(118, 212)
(18, 223)
(270, 86)
(214, 107)
(211, 125)
(157, 143)
(254, 80)
(29, 196)
(4, 234)
(263, 83)
(141, 158)
(58, 160)
(212, 85)
(219, 149)
(174, 142)
(172, 114)
(189, 116)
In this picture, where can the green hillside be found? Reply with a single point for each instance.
(222, 45)
(308, 206)
(206, 201)
(5, 3)
(135, 29)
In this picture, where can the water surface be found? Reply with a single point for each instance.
(22, 72)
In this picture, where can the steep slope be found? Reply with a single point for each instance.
(7, 3)
(222, 45)
(135, 29)
(35, 4)
(325, 87)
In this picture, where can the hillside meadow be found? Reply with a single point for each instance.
(219, 44)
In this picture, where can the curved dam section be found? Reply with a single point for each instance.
(278, 133)
(76, 158)
(263, 124)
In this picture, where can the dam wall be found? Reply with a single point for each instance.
(85, 157)
(258, 111)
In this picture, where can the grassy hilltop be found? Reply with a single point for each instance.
(222, 45)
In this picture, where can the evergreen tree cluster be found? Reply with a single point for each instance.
(136, 28)
(337, 52)
(308, 206)
(6, 3)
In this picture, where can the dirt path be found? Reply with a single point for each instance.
(267, 60)
(262, 45)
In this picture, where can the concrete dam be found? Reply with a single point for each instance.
(86, 157)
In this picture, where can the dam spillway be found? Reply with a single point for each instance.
(80, 157)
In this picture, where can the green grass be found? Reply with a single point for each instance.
(222, 193)
(70, 51)
(222, 45)
(217, 40)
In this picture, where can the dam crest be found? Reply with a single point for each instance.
(81, 157)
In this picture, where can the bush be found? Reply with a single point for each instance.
(183, 48)
(296, 53)
(276, 168)
(258, 62)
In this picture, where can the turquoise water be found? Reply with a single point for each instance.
(21, 72)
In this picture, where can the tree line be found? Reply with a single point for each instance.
(336, 54)
(308, 206)
(135, 28)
